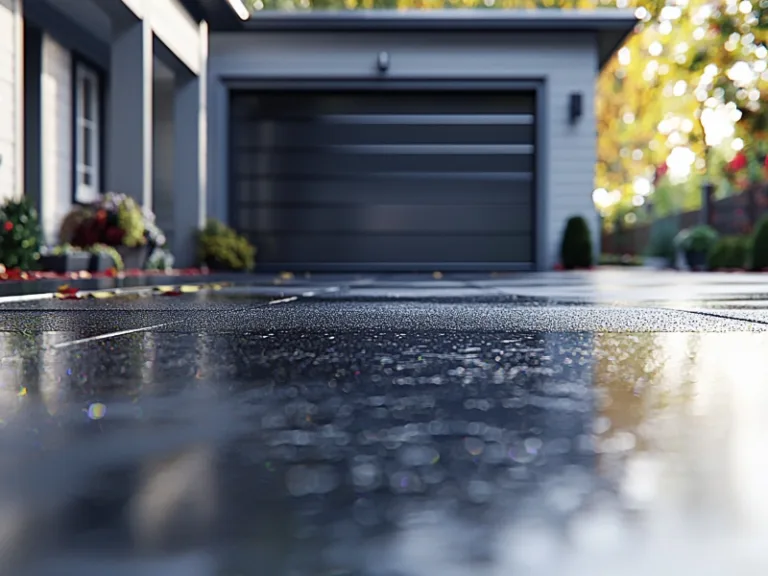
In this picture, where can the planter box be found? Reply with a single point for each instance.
(61, 264)
(100, 263)
(134, 258)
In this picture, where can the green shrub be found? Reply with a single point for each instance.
(700, 238)
(759, 252)
(19, 235)
(576, 248)
(729, 252)
(221, 248)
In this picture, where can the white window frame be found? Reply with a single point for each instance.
(85, 193)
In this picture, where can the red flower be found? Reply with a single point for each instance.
(114, 236)
(739, 162)
(8, 226)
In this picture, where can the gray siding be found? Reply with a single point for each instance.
(565, 63)
(11, 78)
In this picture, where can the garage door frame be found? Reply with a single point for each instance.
(537, 86)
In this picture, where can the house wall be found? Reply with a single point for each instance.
(11, 107)
(56, 147)
(566, 63)
(162, 154)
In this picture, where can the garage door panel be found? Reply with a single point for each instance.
(389, 219)
(286, 105)
(378, 248)
(471, 131)
(452, 191)
(325, 164)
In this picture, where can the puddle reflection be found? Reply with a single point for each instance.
(384, 454)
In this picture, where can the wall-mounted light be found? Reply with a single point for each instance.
(575, 107)
(382, 62)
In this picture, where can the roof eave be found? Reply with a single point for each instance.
(220, 14)
(454, 19)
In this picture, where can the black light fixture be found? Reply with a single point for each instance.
(574, 107)
(383, 62)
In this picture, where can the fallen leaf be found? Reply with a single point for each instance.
(85, 274)
(286, 275)
(190, 289)
(437, 275)
(164, 289)
(67, 289)
(23, 391)
(102, 294)
(172, 293)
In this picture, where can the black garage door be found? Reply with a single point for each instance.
(397, 180)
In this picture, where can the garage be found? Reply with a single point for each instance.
(397, 180)
(407, 140)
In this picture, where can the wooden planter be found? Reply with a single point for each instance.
(64, 263)
(697, 261)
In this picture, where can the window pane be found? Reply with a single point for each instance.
(88, 97)
(87, 135)
(84, 176)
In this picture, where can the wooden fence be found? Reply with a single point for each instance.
(733, 215)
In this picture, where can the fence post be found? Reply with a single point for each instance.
(707, 208)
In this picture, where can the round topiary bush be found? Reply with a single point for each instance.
(759, 252)
(576, 248)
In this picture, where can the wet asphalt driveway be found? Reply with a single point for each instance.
(577, 424)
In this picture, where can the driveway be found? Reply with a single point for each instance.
(579, 424)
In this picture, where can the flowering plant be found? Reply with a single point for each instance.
(117, 220)
(19, 234)
(746, 167)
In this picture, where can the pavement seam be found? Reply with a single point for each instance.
(720, 316)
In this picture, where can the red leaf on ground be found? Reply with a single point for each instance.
(67, 290)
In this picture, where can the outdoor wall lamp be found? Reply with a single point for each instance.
(574, 107)
(382, 62)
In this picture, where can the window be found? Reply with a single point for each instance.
(87, 134)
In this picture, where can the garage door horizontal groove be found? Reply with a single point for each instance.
(280, 204)
(399, 149)
(288, 135)
(352, 235)
(358, 192)
(431, 176)
(330, 164)
(378, 248)
(424, 119)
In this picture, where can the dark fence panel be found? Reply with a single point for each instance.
(732, 215)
